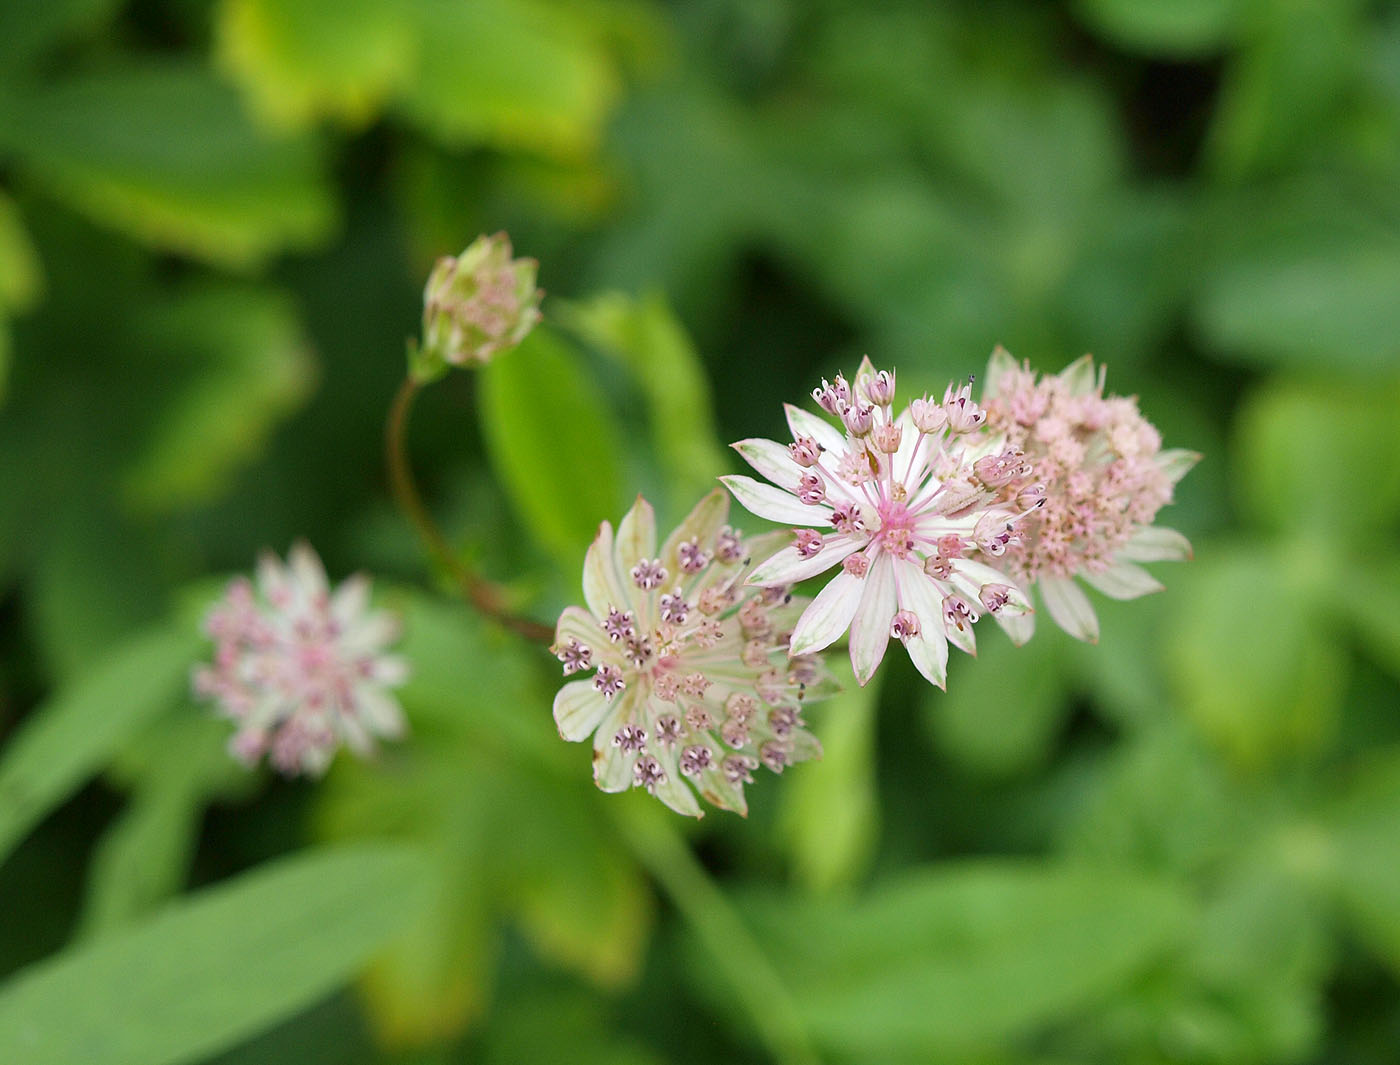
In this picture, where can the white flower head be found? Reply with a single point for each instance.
(894, 501)
(299, 668)
(692, 688)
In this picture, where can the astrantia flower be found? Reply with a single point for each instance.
(692, 689)
(1101, 469)
(475, 305)
(898, 503)
(301, 669)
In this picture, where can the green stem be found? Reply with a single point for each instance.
(673, 865)
(482, 594)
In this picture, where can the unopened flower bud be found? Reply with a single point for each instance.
(929, 417)
(964, 415)
(476, 305)
(805, 451)
(905, 625)
(880, 388)
(887, 437)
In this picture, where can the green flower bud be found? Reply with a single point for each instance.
(476, 305)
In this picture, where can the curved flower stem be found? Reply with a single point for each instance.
(673, 865)
(482, 594)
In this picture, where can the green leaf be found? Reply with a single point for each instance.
(1374, 612)
(299, 60)
(646, 337)
(1175, 29)
(829, 819)
(21, 279)
(1253, 668)
(964, 956)
(246, 365)
(71, 736)
(515, 74)
(164, 153)
(1366, 858)
(1307, 458)
(550, 435)
(31, 28)
(215, 968)
(1001, 711)
(1308, 299)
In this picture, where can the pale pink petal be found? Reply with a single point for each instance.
(636, 537)
(1070, 608)
(612, 766)
(1123, 580)
(929, 649)
(1176, 462)
(603, 587)
(829, 614)
(674, 791)
(870, 626)
(805, 423)
(578, 709)
(775, 504)
(1020, 627)
(997, 366)
(1154, 543)
(788, 567)
(771, 459)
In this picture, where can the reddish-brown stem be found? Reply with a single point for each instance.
(482, 594)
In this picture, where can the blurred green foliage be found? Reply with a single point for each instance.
(1179, 846)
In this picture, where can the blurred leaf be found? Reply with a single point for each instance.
(21, 278)
(95, 579)
(543, 1027)
(516, 74)
(1001, 711)
(1300, 58)
(1174, 29)
(164, 152)
(143, 857)
(248, 367)
(1254, 669)
(1365, 828)
(215, 968)
(1369, 595)
(71, 736)
(829, 819)
(509, 836)
(963, 956)
(301, 59)
(30, 28)
(646, 337)
(549, 432)
(1307, 458)
(1308, 299)
(1161, 803)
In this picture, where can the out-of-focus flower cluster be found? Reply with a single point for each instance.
(301, 669)
(693, 686)
(475, 305)
(1104, 476)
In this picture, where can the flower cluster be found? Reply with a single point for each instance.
(910, 506)
(692, 687)
(1104, 476)
(300, 668)
(475, 305)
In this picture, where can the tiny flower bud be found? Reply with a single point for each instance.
(728, 546)
(805, 451)
(856, 565)
(957, 612)
(858, 419)
(964, 415)
(630, 738)
(846, 518)
(648, 773)
(905, 625)
(887, 437)
(811, 489)
(476, 305)
(695, 759)
(1033, 495)
(608, 680)
(648, 574)
(880, 388)
(809, 542)
(929, 417)
(994, 596)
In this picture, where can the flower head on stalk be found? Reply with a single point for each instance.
(896, 502)
(476, 305)
(301, 669)
(692, 688)
(1100, 467)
